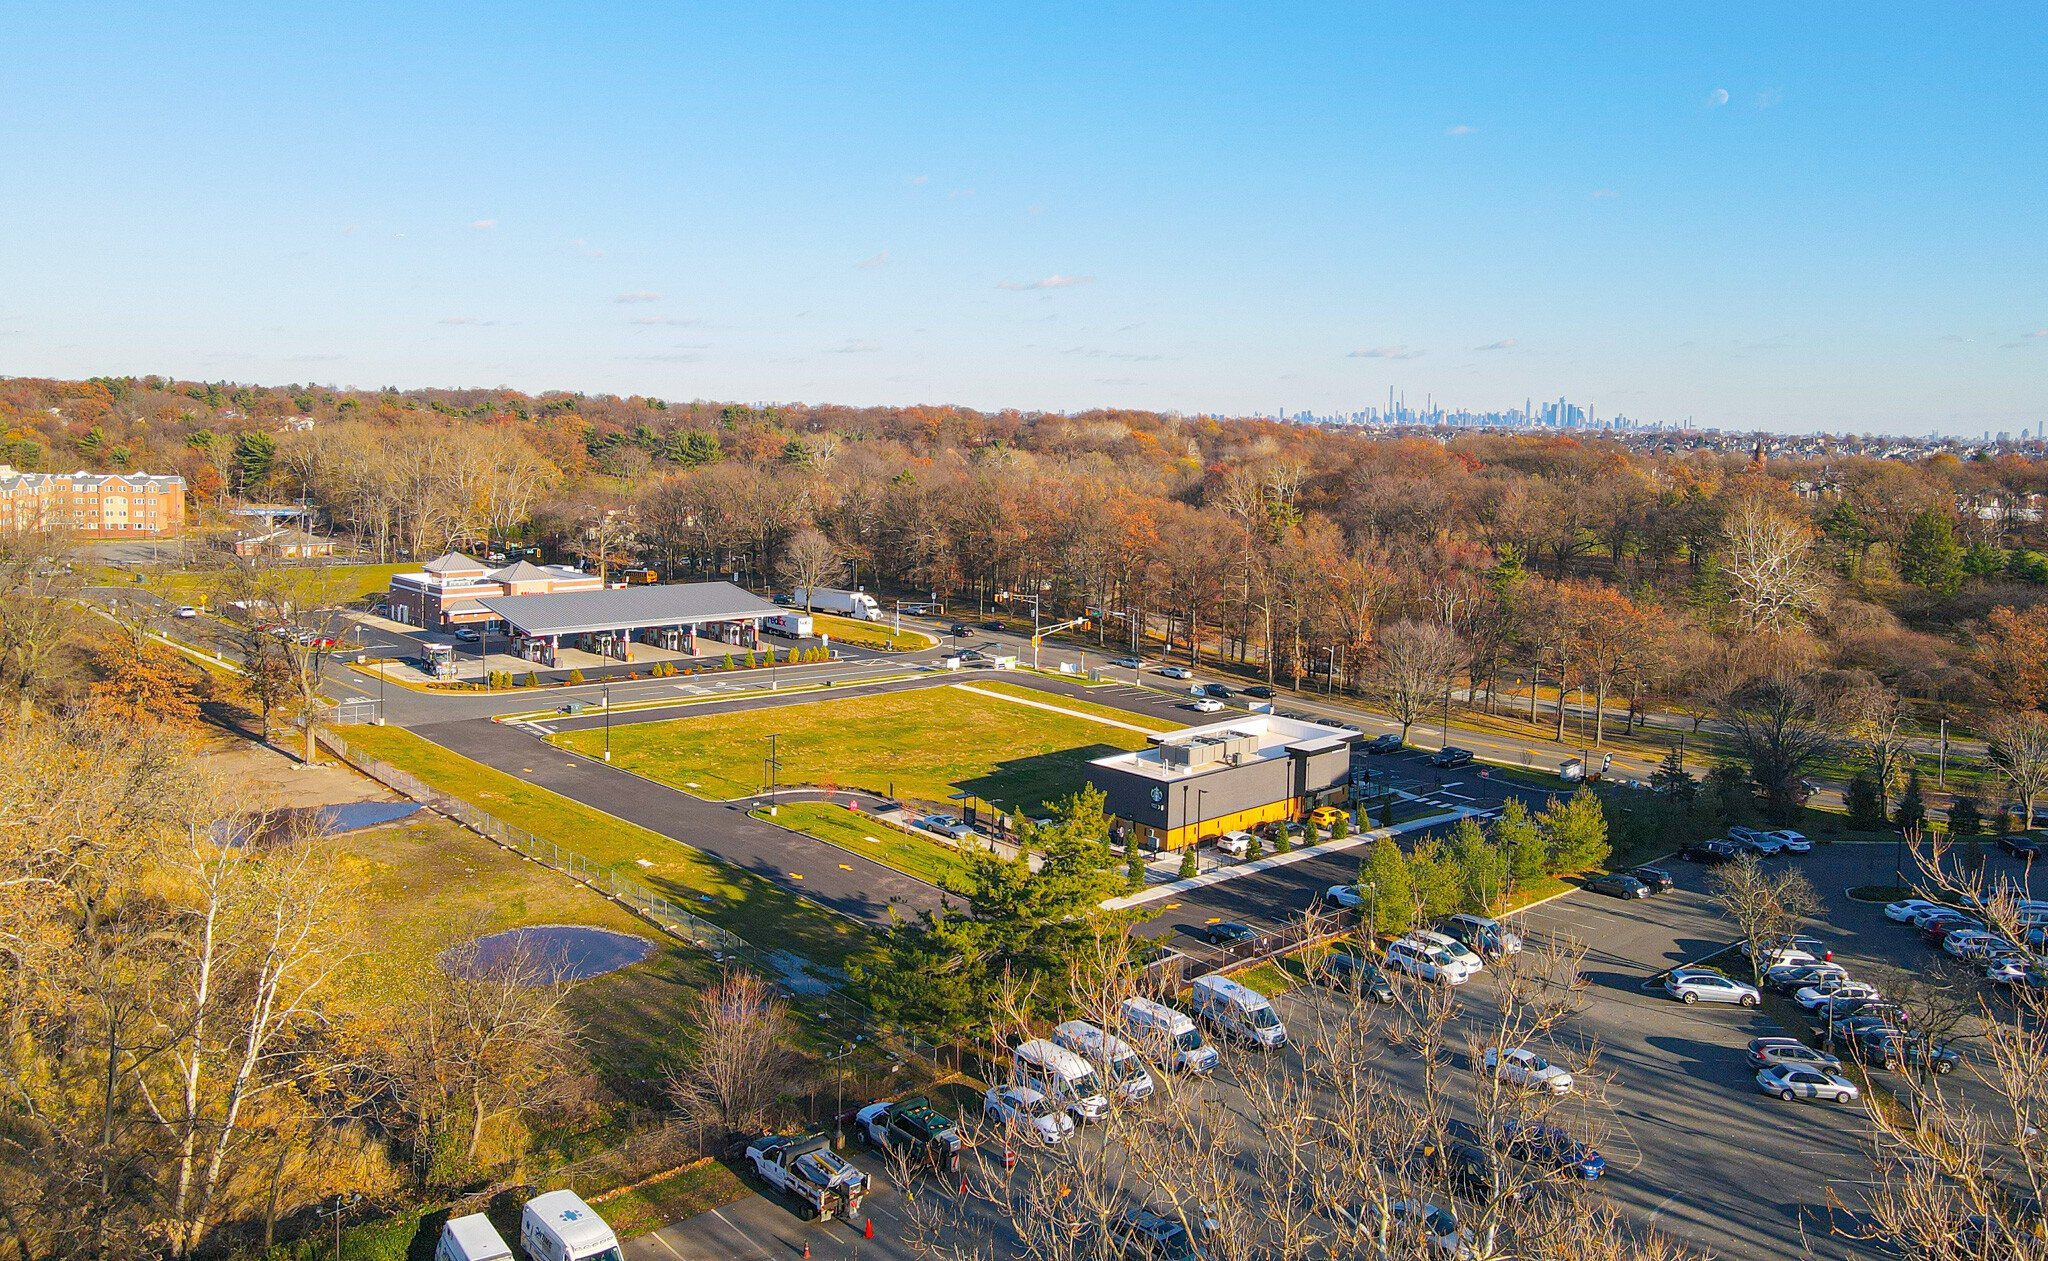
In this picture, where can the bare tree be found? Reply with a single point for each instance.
(1775, 578)
(36, 613)
(810, 560)
(1876, 723)
(2019, 752)
(1765, 905)
(1415, 663)
(1780, 732)
(741, 1055)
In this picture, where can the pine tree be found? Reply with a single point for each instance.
(1576, 831)
(1189, 864)
(1672, 779)
(1521, 840)
(1929, 555)
(1134, 865)
(1965, 818)
(1912, 811)
(1865, 803)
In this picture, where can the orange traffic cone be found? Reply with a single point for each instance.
(870, 1232)
(807, 1250)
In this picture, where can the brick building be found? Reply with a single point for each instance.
(445, 592)
(105, 505)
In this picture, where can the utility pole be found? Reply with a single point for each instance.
(1943, 781)
(607, 720)
(774, 764)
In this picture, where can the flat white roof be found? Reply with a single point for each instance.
(1271, 736)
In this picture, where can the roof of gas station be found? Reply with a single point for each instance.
(630, 608)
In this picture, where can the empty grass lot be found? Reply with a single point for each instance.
(852, 830)
(752, 907)
(930, 744)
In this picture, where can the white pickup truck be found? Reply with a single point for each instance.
(804, 1167)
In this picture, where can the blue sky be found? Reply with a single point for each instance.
(1793, 216)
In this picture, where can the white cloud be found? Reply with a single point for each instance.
(1769, 97)
(1717, 98)
(1385, 352)
(670, 321)
(1034, 210)
(584, 247)
(2039, 334)
(350, 228)
(638, 295)
(1460, 130)
(316, 358)
(855, 348)
(915, 180)
(1054, 281)
(484, 225)
(1505, 343)
(1599, 193)
(960, 192)
(681, 356)
(876, 263)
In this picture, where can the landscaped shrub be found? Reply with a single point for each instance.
(1134, 865)
(1341, 828)
(575, 677)
(727, 665)
(1282, 845)
(1188, 865)
(531, 680)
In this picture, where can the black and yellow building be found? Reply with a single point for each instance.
(1225, 777)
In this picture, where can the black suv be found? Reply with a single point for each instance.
(1657, 878)
(1894, 1049)
(1227, 934)
(1450, 755)
(2020, 846)
(1710, 853)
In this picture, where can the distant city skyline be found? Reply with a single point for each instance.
(1753, 217)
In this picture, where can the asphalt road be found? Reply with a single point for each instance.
(836, 878)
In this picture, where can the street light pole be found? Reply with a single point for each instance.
(607, 720)
(774, 765)
(1330, 675)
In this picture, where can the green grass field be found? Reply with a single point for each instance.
(850, 830)
(844, 630)
(929, 744)
(755, 909)
(1150, 722)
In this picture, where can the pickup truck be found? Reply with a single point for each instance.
(805, 1168)
(912, 1129)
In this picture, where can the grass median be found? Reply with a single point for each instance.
(767, 916)
(1109, 713)
(844, 630)
(855, 831)
(927, 744)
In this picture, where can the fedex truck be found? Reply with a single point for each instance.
(792, 625)
(858, 605)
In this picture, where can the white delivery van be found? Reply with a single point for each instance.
(791, 625)
(1238, 1011)
(1118, 1062)
(559, 1226)
(472, 1238)
(1169, 1037)
(1061, 1076)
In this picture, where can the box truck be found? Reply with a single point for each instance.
(471, 1238)
(559, 1226)
(792, 625)
(1239, 1011)
(858, 605)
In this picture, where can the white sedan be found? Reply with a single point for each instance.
(1903, 910)
(1523, 1067)
(1789, 1083)
(1344, 895)
(1206, 705)
(1813, 996)
(1020, 1109)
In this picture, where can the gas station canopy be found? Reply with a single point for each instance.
(633, 608)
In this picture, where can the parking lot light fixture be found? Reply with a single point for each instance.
(607, 720)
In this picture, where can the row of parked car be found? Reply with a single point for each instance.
(1964, 932)
(1741, 840)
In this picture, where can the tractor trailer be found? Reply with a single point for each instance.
(858, 605)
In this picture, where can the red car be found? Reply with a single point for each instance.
(1935, 933)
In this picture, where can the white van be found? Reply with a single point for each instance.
(1169, 1037)
(1238, 1010)
(472, 1238)
(1061, 1076)
(559, 1226)
(1120, 1064)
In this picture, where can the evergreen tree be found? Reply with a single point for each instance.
(1481, 867)
(1865, 803)
(1134, 865)
(1983, 561)
(1189, 864)
(1576, 832)
(1674, 781)
(1519, 837)
(1385, 872)
(255, 452)
(1929, 555)
(1965, 818)
(1912, 811)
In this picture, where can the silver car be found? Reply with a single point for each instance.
(1771, 1052)
(1695, 985)
(1789, 1082)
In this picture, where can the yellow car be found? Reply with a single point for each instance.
(1326, 816)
